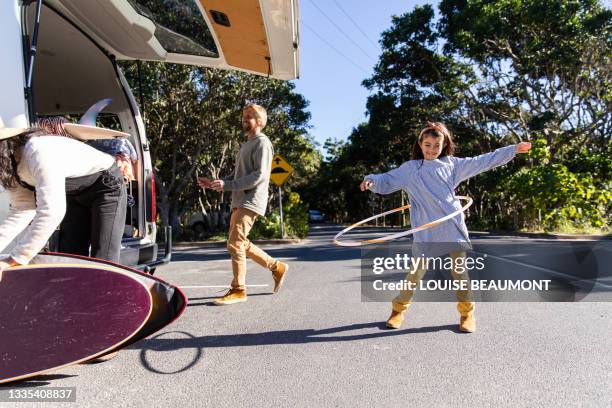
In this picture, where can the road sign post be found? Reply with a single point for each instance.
(280, 206)
(281, 170)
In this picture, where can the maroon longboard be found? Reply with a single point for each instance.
(52, 316)
(169, 302)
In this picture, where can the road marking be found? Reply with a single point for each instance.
(549, 271)
(218, 286)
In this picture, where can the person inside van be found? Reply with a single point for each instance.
(45, 175)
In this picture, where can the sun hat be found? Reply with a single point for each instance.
(6, 133)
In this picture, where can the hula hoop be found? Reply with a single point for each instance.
(397, 234)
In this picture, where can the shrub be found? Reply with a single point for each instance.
(295, 217)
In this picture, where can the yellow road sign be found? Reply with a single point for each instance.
(281, 170)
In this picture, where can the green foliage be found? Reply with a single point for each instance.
(267, 227)
(295, 217)
(534, 34)
(295, 211)
(556, 196)
(560, 196)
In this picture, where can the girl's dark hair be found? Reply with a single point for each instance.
(436, 130)
(8, 149)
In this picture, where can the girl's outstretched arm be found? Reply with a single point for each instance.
(388, 182)
(464, 168)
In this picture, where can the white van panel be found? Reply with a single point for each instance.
(115, 25)
(13, 108)
(149, 231)
(123, 32)
(67, 63)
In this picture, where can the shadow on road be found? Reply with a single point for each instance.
(38, 381)
(310, 253)
(211, 298)
(301, 336)
(318, 248)
(189, 341)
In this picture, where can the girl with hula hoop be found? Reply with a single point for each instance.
(431, 179)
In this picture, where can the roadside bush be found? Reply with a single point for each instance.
(295, 217)
(558, 198)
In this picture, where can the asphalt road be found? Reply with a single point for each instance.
(316, 343)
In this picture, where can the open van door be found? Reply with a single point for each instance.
(257, 36)
(60, 57)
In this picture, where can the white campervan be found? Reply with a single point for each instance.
(59, 57)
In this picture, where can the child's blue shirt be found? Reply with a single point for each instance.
(431, 184)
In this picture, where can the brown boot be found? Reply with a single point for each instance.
(279, 275)
(395, 320)
(232, 296)
(467, 324)
(398, 310)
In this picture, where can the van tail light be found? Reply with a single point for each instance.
(151, 199)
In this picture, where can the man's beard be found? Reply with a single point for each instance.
(246, 127)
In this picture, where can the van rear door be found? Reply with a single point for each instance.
(257, 36)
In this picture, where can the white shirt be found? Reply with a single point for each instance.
(46, 162)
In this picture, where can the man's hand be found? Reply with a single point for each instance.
(217, 185)
(204, 182)
(6, 263)
(523, 147)
(366, 184)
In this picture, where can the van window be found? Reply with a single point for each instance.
(180, 26)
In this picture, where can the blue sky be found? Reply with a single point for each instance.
(331, 79)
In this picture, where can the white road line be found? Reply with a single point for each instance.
(218, 286)
(549, 271)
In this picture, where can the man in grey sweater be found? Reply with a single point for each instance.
(249, 189)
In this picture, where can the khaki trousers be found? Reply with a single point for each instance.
(465, 305)
(240, 247)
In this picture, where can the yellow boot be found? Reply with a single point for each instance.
(232, 296)
(279, 275)
(397, 315)
(467, 324)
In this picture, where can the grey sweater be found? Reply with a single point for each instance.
(252, 175)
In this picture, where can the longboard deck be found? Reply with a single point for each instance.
(52, 316)
(169, 302)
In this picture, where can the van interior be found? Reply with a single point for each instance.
(70, 74)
